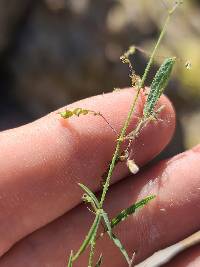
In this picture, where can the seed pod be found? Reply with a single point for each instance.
(158, 85)
(133, 167)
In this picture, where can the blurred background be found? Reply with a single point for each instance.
(53, 52)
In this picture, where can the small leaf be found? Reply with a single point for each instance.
(66, 114)
(130, 210)
(70, 260)
(99, 262)
(116, 241)
(80, 111)
(89, 236)
(77, 112)
(90, 194)
(121, 248)
(158, 85)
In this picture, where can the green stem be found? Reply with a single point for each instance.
(88, 237)
(116, 153)
(132, 109)
(91, 236)
(92, 248)
(156, 46)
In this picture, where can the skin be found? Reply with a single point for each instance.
(41, 214)
(190, 258)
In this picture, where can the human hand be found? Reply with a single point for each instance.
(42, 162)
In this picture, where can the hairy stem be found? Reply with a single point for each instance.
(98, 206)
(88, 237)
(92, 249)
(157, 45)
(132, 109)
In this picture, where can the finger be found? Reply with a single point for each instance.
(188, 258)
(164, 256)
(170, 217)
(42, 162)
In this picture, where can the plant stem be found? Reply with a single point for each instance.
(157, 45)
(132, 109)
(92, 248)
(131, 136)
(89, 236)
(92, 234)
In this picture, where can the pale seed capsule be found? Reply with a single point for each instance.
(133, 167)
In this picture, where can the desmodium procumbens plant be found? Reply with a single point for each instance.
(157, 87)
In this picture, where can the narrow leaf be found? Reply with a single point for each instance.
(91, 194)
(107, 222)
(130, 210)
(116, 241)
(99, 262)
(70, 260)
(158, 85)
(88, 237)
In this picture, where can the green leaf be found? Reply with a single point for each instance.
(89, 236)
(116, 241)
(80, 111)
(66, 114)
(158, 85)
(99, 262)
(77, 112)
(91, 194)
(130, 210)
(70, 260)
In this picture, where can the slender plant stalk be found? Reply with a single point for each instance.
(92, 248)
(89, 236)
(132, 109)
(90, 197)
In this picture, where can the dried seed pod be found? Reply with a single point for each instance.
(133, 167)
